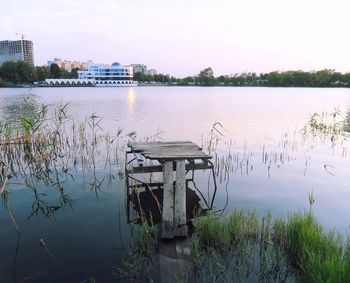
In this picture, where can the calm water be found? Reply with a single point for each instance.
(273, 167)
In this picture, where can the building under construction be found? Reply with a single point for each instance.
(16, 50)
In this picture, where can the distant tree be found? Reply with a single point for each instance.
(323, 77)
(65, 74)
(25, 72)
(41, 73)
(346, 79)
(337, 79)
(300, 78)
(206, 77)
(55, 71)
(74, 73)
(8, 71)
(273, 79)
(166, 78)
(187, 81)
(221, 79)
(286, 79)
(137, 76)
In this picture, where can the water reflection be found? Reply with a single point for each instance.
(273, 169)
(148, 204)
(131, 98)
(347, 122)
(48, 154)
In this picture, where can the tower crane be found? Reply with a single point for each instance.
(21, 34)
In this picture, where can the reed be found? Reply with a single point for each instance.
(42, 146)
(320, 256)
(297, 246)
(139, 264)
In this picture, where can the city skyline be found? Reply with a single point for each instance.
(183, 37)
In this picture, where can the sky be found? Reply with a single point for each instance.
(183, 37)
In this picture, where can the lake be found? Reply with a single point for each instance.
(273, 154)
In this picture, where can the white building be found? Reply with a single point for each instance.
(105, 75)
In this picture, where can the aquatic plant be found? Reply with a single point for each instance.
(40, 144)
(297, 246)
(320, 256)
(139, 264)
(328, 126)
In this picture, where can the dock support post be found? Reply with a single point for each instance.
(180, 200)
(168, 201)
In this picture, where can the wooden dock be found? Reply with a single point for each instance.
(166, 158)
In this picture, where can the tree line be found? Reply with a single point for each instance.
(322, 78)
(20, 72)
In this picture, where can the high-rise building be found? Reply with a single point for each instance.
(152, 72)
(16, 50)
(139, 68)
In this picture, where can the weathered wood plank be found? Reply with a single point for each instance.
(169, 150)
(168, 202)
(180, 200)
(159, 168)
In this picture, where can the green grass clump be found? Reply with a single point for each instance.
(139, 265)
(211, 232)
(297, 246)
(320, 256)
(144, 239)
(222, 233)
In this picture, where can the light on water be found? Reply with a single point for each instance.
(273, 154)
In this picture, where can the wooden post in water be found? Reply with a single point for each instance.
(168, 201)
(174, 222)
(180, 200)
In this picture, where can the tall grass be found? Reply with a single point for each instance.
(139, 264)
(320, 256)
(42, 146)
(296, 248)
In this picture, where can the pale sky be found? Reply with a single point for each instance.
(183, 37)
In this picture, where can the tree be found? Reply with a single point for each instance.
(273, 79)
(55, 71)
(25, 72)
(74, 73)
(206, 77)
(323, 77)
(8, 72)
(138, 76)
(41, 73)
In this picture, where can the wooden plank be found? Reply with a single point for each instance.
(168, 202)
(140, 145)
(172, 153)
(159, 168)
(169, 150)
(180, 200)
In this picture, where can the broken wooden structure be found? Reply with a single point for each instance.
(163, 159)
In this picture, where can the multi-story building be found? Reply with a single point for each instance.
(139, 68)
(152, 72)
(16, 50)
(68, 65)
(105, 75)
